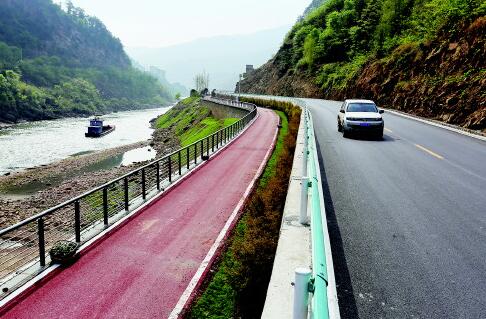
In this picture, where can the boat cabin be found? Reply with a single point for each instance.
(95, 126)
(97, 129)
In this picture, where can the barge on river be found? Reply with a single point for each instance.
(97, 129)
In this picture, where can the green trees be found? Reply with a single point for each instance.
(9, 56)
(18, 99)
(77, 96)
(335, 40)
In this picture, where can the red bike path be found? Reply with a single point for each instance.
(142, 269)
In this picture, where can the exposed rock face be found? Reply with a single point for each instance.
(444, 79)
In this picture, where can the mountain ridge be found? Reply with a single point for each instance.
(56, 63)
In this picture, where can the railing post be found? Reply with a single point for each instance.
(125, 187)
(207, 146)
(301, 293)
(158, 175)
(42, 242)
(77, 221)
(212, 143)
(202, 149)
(170, 168)
(105, 206)
(188, 157)
(195, 154)
(179, 160)
(144, 189)
(303, 200)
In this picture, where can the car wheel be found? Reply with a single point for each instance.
(340, 128)
(379, 136)
(345, 133)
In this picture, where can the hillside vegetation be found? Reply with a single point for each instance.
(56, 62)
(190, 121)
(420, 56)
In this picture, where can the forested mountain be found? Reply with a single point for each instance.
(56, 62)
(421, 56)
(161, 75)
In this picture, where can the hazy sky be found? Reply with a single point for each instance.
(155, 23)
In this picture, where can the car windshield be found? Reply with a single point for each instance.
(361, 107)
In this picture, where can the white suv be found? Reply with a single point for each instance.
(360, 116)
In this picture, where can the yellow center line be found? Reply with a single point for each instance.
(388, 130)
(429, 151)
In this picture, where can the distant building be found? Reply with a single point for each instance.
(249, 68)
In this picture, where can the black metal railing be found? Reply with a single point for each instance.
(24, 247)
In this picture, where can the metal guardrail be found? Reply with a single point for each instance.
(312, 283)
(319, 281)
(232, 103)
(24, 247)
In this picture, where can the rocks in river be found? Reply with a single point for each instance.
(7, 174)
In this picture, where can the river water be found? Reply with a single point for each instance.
(33, 144)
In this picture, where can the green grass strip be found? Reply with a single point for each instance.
(205, 128)
(272, 162)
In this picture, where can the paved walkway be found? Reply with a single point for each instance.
(142, 269)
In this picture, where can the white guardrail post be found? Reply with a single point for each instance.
(301, 293)
(303, 219)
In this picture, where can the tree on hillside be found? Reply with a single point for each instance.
(201, 81)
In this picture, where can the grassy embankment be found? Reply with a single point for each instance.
(191, 121)
(239, 284)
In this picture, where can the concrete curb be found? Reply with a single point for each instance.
(294, 243)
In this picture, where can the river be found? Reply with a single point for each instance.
(39, 143)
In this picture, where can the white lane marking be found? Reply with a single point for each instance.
(388, 130)
(429, 151)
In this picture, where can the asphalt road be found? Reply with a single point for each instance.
(407, 218)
